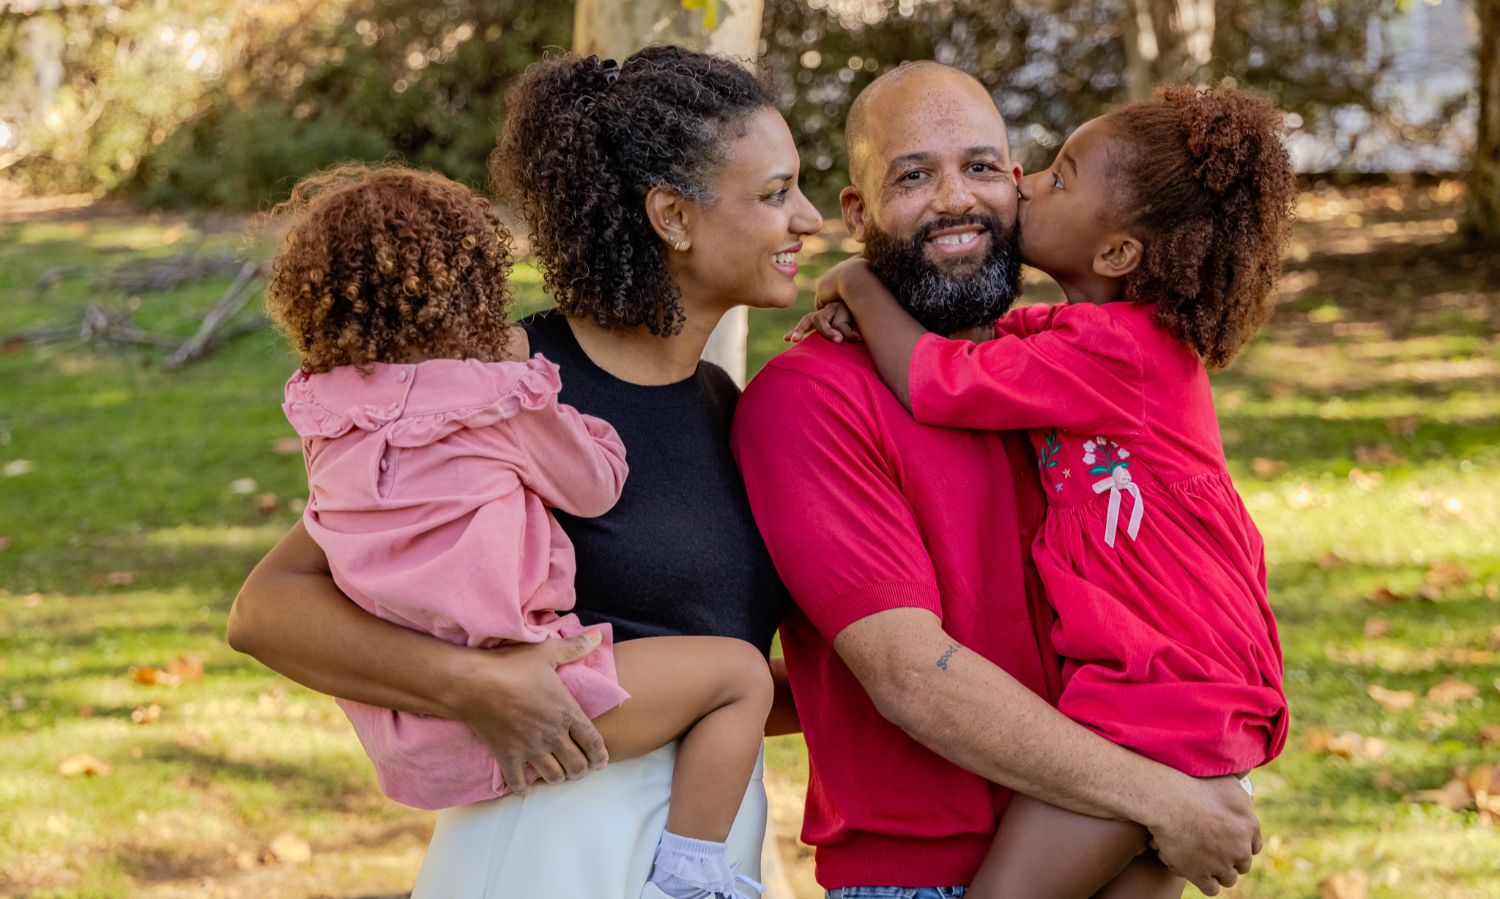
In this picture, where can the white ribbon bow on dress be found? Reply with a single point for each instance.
(1116, 483)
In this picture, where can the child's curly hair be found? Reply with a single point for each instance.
(389, 264)
(1208, 180)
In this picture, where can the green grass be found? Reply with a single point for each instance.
(1363, 427)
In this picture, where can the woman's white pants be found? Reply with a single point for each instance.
(592, 838)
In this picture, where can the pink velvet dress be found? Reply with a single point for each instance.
(430, 485)
(1150, 560)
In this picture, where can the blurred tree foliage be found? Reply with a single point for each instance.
(279, 88)
(227, 101)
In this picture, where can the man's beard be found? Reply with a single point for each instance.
(945, 302)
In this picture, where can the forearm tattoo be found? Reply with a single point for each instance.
(947, 654)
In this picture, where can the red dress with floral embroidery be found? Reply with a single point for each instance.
(1151, 561)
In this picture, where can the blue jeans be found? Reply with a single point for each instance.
(898, 893)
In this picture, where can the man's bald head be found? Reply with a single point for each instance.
(925, 81)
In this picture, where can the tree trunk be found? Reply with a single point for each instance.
(618, 28)
(1167, 41)
(1483, 216)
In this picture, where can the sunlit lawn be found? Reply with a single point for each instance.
(1363, 429)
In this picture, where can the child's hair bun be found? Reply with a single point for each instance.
(1209, 185)
(1229, 132)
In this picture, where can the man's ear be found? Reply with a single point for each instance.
(1121, 256)
(852, 205)
(670, 215)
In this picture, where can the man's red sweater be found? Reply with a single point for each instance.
(865, 510)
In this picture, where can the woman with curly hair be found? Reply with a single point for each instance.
(660, 192)
(1164, 223)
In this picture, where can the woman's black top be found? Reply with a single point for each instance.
(679, 554)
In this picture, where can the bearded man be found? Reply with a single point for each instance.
(918, 651)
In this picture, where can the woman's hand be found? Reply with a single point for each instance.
(291, 616)
(834, 321)
(513, 699)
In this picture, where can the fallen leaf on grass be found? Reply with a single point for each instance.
(1435, 720)
(267, 503)
(4, 542)
(182, 670)
(1445, 574)
(1452, 690)
(1346, 745)
(1485, 782)
(83, 765)
(1385, 596)
(146, 714)
(1267, 468)
(113, 579)
(1393, 700)
(186, 668)
(1453, 795)
(1443, 578)
(1403, 425)
(150, 676)
(1477, 789)
(1381, 454)
(1348, 885)
(1489, 734)
(1377, 627)
(288, 849)
(1495, 637)
(18, 467)
(1365, 480)
(1332, 560)
(287, 446)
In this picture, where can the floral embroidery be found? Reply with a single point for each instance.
(1051, 449)
(1104, 455)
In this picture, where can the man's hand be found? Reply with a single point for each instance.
(516, 703)
(1208, 833)
(834, 321)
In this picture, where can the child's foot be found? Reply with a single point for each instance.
(693, 869)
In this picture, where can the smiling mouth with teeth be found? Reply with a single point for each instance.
(784, 258)
(956, 240)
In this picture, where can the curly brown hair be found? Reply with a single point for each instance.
(389, 264)
(1207, 179)
(583, 143)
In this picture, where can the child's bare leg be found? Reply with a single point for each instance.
(1144, 878)
(1044, 852)
(714, 693)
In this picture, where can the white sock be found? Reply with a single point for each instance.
(691, 869)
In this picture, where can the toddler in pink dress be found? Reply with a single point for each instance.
(434, 450)
(1163, 223)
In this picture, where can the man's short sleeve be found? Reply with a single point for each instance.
(840, 531)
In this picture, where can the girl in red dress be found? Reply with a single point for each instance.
(1164, 224)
